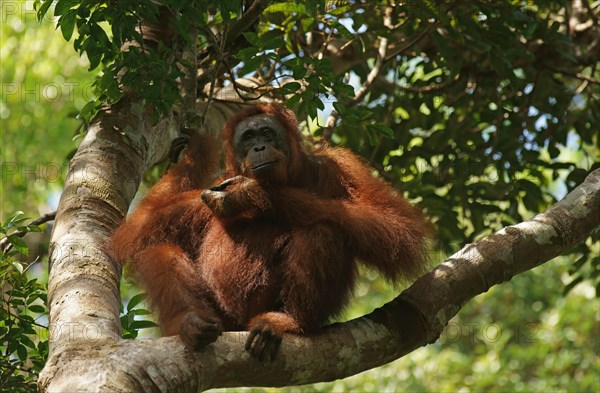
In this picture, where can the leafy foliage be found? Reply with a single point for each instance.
(23, 330)
(145, 69)
(44, 85)
(23, 312)
(131, 326)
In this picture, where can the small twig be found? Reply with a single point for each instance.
(363, 90)
(14, 367)
(219, 48)
(260, 86)
(214, 42)
(36, 260)
(44, 219)
(578, 75)
(9, 370)
(238, 88)
(211, 92)
(409, 44)
(243, 24)
(227, 39)
(26, 320)
(319, 53)
(6, 245)
(422, 89)
(586, 78)
(590, 11)
(271, 73)
(213, 81)
(374, 72)
(382, 57)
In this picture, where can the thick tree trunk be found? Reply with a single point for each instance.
(83, 290)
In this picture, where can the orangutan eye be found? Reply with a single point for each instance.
(247, 136)
(268, 133)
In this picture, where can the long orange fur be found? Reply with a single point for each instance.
(293, 268)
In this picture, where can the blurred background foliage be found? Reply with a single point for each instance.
(44, 86)
(484, 113)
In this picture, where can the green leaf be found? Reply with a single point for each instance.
(19, 244)
(274, 43)
(29, 228)
(247, 53)
(307, 23)
(67, 24)
(251, 65)
(63, 6)
(16, 218)
(530, 29)
(143, 324)
(342, 29)
(566, 55)
(290, 87)
(401, 113)
(293, 101)
(27, 342)
(44, 9)
(37, 308)
(124, 322)
(319, 103)
(135, 300)
(339, 107)
(141, 311)
(338, 8)
(384, 130)
(312, 7)
(252, 38)
(298, 69)
(88, 111)
(432, 74)
(372, 134)
(95, 56)
(284, 7)
(18, 266)
(21, 350)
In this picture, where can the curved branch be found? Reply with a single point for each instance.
(504, 254)
(412, 320)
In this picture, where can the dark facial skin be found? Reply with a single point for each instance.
(261, 148)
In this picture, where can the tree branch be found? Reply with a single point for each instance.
(579, 76)
(244, 23)
(435, 88)
(413, 319)
(362, 91)
(6, 246)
